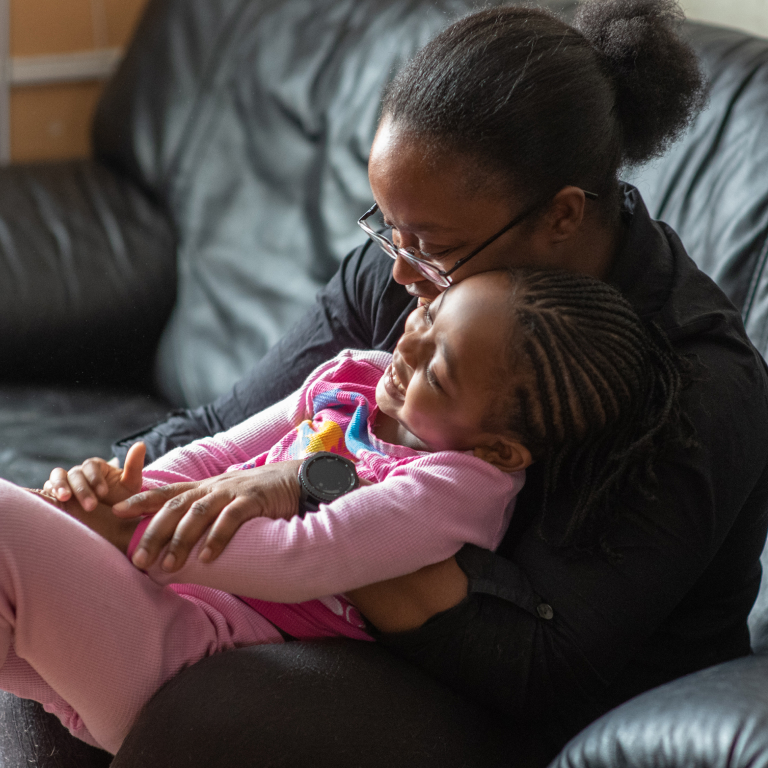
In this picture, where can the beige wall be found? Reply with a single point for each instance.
(749, 15)
(51, 121)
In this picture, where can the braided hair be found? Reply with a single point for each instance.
(598, 400)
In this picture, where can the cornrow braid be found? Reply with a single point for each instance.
(598, 399)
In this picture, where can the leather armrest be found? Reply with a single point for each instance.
(713, 718)
(87, 274)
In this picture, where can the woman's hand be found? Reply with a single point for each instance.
(184, 511)
(406, 602)
(97, 480)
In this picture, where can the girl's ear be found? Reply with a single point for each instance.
(505, 453)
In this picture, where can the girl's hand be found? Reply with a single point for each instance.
(183, 512)
(98, 480)
(101, 520)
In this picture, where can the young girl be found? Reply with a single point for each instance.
(432, 428)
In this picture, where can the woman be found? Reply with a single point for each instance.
(506, 135)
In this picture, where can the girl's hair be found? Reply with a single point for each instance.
(598, 399)
(541, 104)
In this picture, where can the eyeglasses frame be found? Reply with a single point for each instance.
(420, 264)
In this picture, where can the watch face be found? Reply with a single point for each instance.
(330, 477)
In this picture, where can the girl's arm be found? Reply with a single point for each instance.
(212, 456)
(421, 514)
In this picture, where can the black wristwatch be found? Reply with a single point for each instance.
(324, 477)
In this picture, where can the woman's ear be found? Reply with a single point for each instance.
(504, 453)
(565, 213)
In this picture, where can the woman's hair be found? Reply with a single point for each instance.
(595, 394)
(541, 104)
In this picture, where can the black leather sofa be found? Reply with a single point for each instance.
(229, 170)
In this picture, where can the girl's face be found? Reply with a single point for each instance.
(449, 366)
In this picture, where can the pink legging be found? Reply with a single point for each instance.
(88, 635)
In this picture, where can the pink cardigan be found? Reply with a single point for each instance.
(422, 508)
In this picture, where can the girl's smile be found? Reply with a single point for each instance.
(448, 370)
(394, 386)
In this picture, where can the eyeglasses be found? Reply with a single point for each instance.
(429, 269)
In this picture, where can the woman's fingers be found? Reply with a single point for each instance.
(149, 502)
(226, 526)
(185, 511)
(206, 507)
(162, 528)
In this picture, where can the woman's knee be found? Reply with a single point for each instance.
(336, 703)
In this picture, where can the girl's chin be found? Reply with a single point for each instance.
(387, 410)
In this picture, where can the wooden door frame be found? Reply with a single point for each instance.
(5, 82)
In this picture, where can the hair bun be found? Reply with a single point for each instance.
(658, 81)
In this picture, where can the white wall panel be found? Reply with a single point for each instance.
(749, 15)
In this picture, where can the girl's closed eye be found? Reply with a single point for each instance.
(432, 379)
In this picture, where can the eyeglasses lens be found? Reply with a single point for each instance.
(373, 226)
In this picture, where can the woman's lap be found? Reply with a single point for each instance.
(339, 703)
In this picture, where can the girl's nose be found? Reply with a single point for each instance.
(409, 347)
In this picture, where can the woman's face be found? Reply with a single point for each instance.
(448, 366)
(431, 208)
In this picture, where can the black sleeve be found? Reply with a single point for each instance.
(360, 308)
(550, 637)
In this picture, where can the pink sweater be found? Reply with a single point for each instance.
(421, 509)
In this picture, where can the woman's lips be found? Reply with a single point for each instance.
(423, 296)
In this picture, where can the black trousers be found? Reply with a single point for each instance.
(332, 703)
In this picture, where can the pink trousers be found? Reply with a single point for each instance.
(88, 635)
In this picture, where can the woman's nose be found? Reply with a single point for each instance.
(404, 274)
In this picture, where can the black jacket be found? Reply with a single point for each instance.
(544, 635)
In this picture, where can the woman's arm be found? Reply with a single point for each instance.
(360, 308)
(421, 514)
(407, 602)
(545, 635)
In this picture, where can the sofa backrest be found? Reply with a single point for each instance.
(250, 121)
(711, 186)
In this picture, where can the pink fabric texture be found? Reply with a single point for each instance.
(422, 509)
(92, 638)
